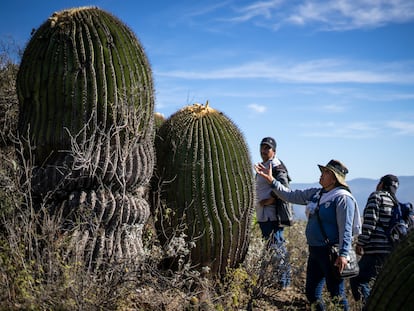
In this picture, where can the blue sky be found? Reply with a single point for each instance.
(327, 79)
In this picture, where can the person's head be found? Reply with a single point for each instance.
(388, 183)
(267, 148)
(333, 175)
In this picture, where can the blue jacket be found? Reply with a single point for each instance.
(337, 209)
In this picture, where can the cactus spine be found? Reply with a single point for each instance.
(207, 182)
(86, 103)
(394, 285)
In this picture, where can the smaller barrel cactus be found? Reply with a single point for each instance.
(159, 119)
(394, 286)
(206, 186)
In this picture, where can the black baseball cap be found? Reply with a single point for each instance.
(270, 141)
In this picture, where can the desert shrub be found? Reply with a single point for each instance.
(55, 282)
(8, 97)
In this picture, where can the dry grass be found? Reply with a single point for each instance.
(55, 284)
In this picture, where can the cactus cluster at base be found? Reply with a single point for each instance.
(102, 225)
(206, 186)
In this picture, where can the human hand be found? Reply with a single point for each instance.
(268, 201)
(264, 172)
(341, 263)
(359, 250)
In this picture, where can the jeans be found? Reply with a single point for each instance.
(369, 266)
(280, 256)
(318, 274)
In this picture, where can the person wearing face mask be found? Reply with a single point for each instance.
(268, 205)
(334, 207)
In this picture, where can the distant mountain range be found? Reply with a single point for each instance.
(361, 189)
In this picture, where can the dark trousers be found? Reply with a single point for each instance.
(267, 227)
(318, 274)
(369, 267)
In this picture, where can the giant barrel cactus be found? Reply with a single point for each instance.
(394, 286)
(86, 114)
(206, 186)
(86, 102)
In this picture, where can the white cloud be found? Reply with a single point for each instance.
(357, 130)
(334, 108)
(353, 130)
(337, 15)
(314, 72)
(402, 127)
(261, 9)
(206, 9)
(257, 108)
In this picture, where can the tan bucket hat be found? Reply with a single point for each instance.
(338, 169)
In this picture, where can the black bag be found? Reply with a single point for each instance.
(351, 269)
(284, 210)
(284, 213)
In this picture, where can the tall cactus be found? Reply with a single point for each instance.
(393, 289)
(86, 103)
(85, 84)
(206, 179)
